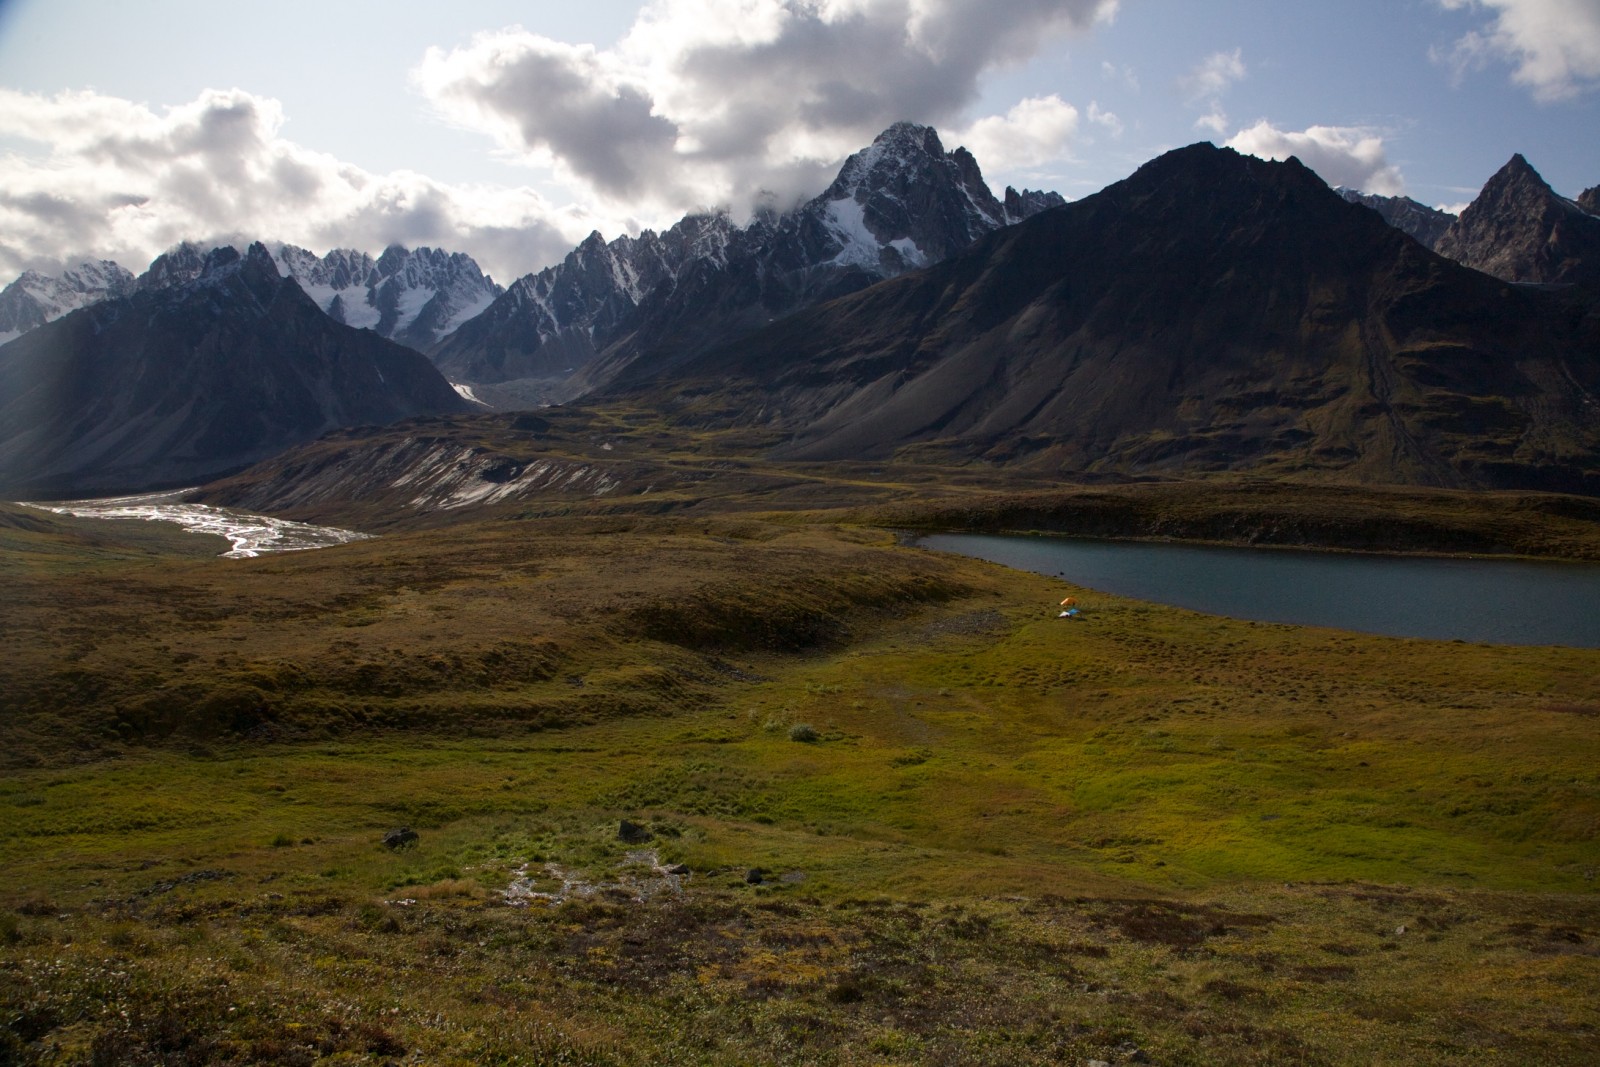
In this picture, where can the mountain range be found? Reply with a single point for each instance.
(1211, 312)
(901, 204)
(414, 297)
(221, 363)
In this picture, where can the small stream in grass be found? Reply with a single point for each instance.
(251, 535)
(1497, 601)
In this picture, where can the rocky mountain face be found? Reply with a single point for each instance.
(1589, 200)
(1425, 223)
(35, 299)
(1518, 229)
(548, 324)
(1211, 312)
(186, 379)
(176, 267)
(898, 205)
(413, 297)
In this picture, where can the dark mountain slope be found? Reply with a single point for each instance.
(1211, 312)
(176, 384)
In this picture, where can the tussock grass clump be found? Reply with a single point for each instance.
(785, 611)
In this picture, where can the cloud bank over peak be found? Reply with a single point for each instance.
(120, 180)
(720, 101)
(1341, 155)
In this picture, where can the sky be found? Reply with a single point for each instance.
(511, 130)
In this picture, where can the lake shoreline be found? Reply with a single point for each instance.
(909, 537)
(1494, 601)
(1384, 521)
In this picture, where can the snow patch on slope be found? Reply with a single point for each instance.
(846, 220)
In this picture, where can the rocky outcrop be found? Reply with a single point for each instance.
(1029, 202)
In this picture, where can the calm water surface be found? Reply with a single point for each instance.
(1497, 601)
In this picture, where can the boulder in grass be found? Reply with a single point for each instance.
(400, 837)
(632, 833)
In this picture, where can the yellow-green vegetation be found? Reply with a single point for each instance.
(1146, 835)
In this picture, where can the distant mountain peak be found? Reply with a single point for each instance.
(414, 296)
(901, 203)
(36, 298)
(904, 148)
(1520, 230)
(183, 262)
(1422, 222)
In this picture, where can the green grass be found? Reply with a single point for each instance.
(1013, 840)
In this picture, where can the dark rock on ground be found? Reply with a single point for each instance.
(401, 837)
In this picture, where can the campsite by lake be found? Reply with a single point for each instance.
(1495, 601)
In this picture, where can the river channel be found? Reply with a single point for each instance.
(251, 535)
(1497, 601)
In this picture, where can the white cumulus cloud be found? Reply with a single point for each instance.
(117, 179)
(1341, 155)
(1107, 119)
(1124, 74)
(718, 101)
(1035, 131)
(1554, 44)
(702, 103)
(1206, 84)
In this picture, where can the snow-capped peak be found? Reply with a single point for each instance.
(411, 296)
(35, 298)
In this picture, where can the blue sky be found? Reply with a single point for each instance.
(509, 130)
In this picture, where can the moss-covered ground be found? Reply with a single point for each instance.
(1146, 835)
